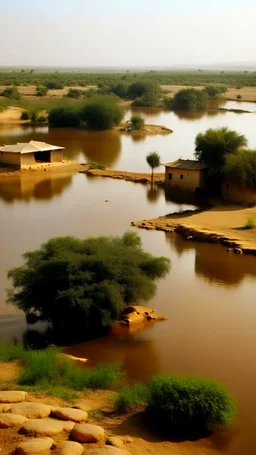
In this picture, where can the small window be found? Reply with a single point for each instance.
(170, 176)
(181, 176)
(227, 185)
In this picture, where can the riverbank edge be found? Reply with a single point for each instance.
(136, 177)
(196, 233)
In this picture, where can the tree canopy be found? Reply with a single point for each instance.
(63, 117)
(140, 88)
(214, 145)
(154, 161)
(11, 93)
(190, 99)
(102, 113)
(242, 166)
(84, 285)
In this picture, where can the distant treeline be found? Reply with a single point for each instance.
(82, 79)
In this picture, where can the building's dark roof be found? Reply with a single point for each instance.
(29, 147)
(187, 164)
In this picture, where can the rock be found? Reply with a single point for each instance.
(127, 439)
(34, 446)
(115, 442)
(12, 397)
(4, 408)
(69, 447)
(238, 251)
(42, 428)
(190, 237)
(11, 420)
(68, 425)
(76, 415)
(107, 450)
(31, 410)
(84, 432)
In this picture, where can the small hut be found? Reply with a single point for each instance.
(25, 154)
(187, 175)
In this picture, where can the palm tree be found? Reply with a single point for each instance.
(153, 160)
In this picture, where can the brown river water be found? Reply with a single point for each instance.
(208, 296)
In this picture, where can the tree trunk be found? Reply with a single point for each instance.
(152, 176)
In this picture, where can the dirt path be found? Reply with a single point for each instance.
(222, 224)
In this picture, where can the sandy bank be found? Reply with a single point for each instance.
(223, 224)
(146, 129)
(52, 168)
(138, 177)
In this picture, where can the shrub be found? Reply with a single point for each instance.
(102, 113)
(131, 398)
(54, 85)
(11, 93)
(147, 100)
(137, 122)
(138, 89)
(239, 97)
(10, 352)
(24, 115)
(250, 223)
(94, 165)
(212, 91)
(41, 90)
(120, 90)
(242, 167)
(84, 285)
(63, 117)
(190, 99)
(179, 404)
(74, 93)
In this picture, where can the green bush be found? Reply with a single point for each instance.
(11, 93)
(131, 398)
(147, 100)
(82, 286)
(41, 90)
(239, 97)
(63, 117)
(24, 115)
(213, 92)
(179, 404)
(241, 165)
(137, 122)
(54, 85)
(94, 165)
(190, 99)
(74, 93)
(250, 223)
(10, 352)
(140, 88)
(102, 113)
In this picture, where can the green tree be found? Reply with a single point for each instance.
(214, 145)
(74, 93)
(84, 285)
(153, 160)
(190, 99)
(41, 90)
(54, 85)
(120, 90)
(137, 122)
(212, 91)
(140, 88)
(242, 166)
(11, 93)
(147, 100)
(63, 117)
(102, 113)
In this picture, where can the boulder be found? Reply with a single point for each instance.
(39, 428)
(11, 420)
(115, 442)
(76, 415)
(68, 425)
(69, 447)
(84, 432)
(36, 446)
(4, 408)
(31, 410)
(107, 450)
(12, 396)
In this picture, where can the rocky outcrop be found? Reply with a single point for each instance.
(36, 446)
(11, 420)
(88, 433)
(76, 415)
(39, 428)
(12, 397)
(69, 448)
(31, 410)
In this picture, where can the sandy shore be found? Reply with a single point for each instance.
(146, 129)
(37, 169)
(222, 224)
(136, 177)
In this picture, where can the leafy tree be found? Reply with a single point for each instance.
(137, 122)
(120, 90)
(214, 145)
(147, 100)
(63, 117)
(11, 93)
(138, 89)
(74, 93)
(84, 285)
(54, 85)
(41, 90)
(153, 160)
(182, 405)
(190, 99)
(102, 113)
(242, 166)
(212, 91)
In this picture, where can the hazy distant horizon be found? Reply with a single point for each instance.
(135, 34)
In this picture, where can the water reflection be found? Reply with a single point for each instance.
(153, 193)
(35, 186)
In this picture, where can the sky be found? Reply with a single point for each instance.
(130, 33)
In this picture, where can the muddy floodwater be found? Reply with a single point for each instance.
(208, 296)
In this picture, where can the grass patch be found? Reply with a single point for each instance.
(94, 165)
(11, 352)
(96, 415)
(131, 398)
(250, 223)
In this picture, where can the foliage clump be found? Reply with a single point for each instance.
(84, 285)
(11, 93)
(131, 398)
(137, 122)
(41, 90)
(242, 167)
(250, 223)
(54, 85)
(154, 161)
(94, 165)
(102, 113)
(178, 404)
(190, 99)
(62, 116)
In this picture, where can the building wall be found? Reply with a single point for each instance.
(28, 159)
(11, 159)
(183, 179)
(56, 156)
(232, 192)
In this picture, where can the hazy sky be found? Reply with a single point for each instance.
(126, 33)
